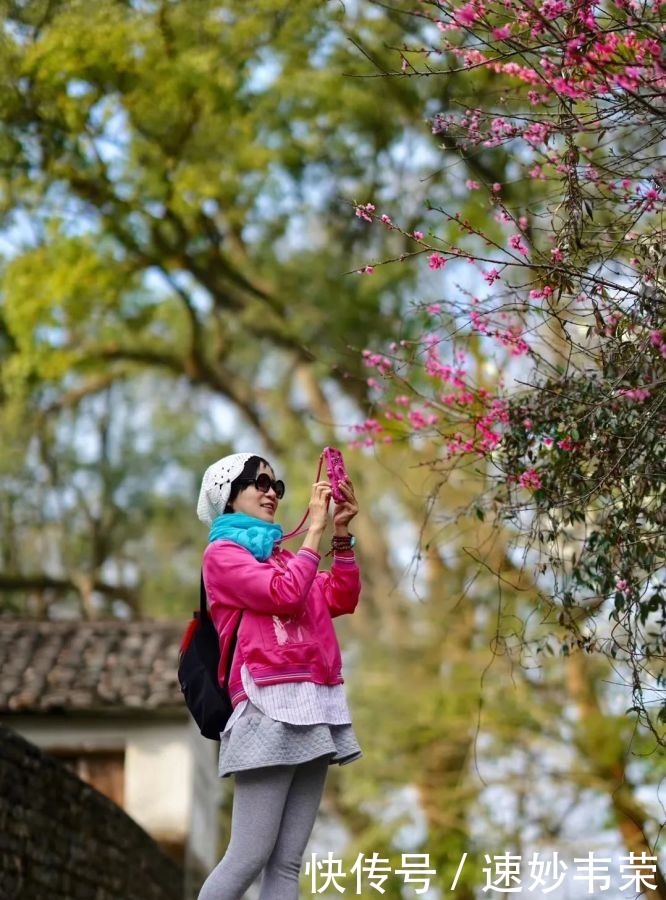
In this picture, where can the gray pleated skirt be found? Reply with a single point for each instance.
(255, 740)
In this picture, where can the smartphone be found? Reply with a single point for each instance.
(335, 469)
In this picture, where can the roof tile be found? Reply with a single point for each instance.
(85, 666)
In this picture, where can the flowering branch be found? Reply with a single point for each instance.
(572, 432)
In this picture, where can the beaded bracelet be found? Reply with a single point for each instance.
(340, 542)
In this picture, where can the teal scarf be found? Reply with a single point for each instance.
(255, 535)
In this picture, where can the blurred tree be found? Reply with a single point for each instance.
(584, 314)
(176, 197)
(572, 294)
(170, 203)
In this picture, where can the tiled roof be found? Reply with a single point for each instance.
(86, 666)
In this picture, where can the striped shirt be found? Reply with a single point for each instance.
(298, 703)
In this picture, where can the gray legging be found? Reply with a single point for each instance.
(273, 815)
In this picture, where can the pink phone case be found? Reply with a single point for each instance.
(335, 469)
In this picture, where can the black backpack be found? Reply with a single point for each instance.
(198, 662)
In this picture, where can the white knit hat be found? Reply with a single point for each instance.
(216, 485)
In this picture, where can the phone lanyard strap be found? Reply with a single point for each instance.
(296, 531)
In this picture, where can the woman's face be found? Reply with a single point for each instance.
(253, 503)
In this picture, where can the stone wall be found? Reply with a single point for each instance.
(61, 840)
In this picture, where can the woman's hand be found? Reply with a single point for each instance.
(345, 512)
(319, 500)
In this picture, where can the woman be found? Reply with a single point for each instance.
(290, 718)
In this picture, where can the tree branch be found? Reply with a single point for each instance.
(41, 582)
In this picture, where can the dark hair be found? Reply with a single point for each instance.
(249, 473)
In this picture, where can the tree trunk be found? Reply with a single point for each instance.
(606, 758)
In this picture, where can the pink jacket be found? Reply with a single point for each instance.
(286, 632)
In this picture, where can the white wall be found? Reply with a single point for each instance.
(166, 762)
(206, 797)
(158, 779)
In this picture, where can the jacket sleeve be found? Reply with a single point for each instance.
(342, 585)
(233, 576)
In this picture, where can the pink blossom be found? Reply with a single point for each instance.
(524, 73)
(637, 394)
(497, 187)
(627, 80)
(530, 479)
(419, 420)
(548, 442)
(650, 196)
(434, 308)
(435, 261)
(568, 88)
(454, 375)
(472, 185)
(489, 439)
(519, 347)
(418, 235)
(502, 33)
(491, 276)
(477, 322)
(386, 220)
(366, 270)
(537, 133)
(369, 426)
(365, 211)
(574, 46)
(566, 444)
(376, 361)
(622, 584)
(516, 242)
(466, 15)
(528, 424)
(552, 9)
(500, 127)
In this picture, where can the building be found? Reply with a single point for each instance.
(103, 697)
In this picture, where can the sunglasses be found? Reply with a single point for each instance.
(264, 483)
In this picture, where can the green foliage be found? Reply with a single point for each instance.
(171, 181)
(177, 184)
(595, 438)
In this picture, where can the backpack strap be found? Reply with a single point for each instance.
(203, 605)
(203, 614)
